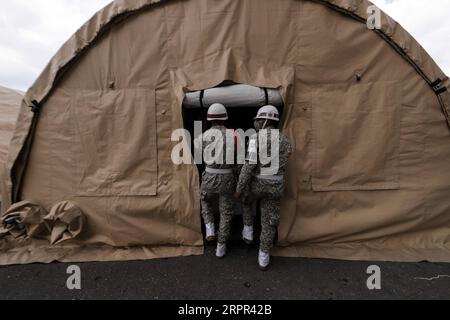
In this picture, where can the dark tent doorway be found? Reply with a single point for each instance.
(242, 103)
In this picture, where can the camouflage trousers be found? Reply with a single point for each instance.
(226, 209)
(269, 195)
(247, 215)
(247, 208)
(270, 219)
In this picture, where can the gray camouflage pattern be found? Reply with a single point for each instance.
(268, 192)
(247, 206)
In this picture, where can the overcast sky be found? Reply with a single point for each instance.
(32, 31)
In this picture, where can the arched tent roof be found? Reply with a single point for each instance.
(118, 10)
(9, 110)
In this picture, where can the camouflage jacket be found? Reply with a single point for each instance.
(218, 183)
(255, 165)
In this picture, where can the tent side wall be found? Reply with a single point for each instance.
(369, 176)
(9, 110)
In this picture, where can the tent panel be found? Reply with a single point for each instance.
(364, 120)
(114, 147)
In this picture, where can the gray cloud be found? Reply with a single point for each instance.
(32, 31)
(428, 21)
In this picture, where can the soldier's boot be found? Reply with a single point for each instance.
(264, 261)
(211, 232)
(247, 235)
(221, 251)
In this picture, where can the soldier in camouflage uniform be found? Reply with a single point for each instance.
(266, 178)
(219, 179)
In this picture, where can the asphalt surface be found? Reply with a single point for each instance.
(236, 277)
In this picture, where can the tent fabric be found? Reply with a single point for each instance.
(369, 178)
(9, 111)
(28, 220)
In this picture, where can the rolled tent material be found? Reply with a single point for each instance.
(233, 96)
(9, 111)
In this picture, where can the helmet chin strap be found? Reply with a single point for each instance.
(265, 124)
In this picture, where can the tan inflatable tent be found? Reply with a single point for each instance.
(9, 110)
(367, 111)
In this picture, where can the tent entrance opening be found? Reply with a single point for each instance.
(242, 103)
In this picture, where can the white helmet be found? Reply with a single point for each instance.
(268, 113)
(217, 112)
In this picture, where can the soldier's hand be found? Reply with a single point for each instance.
(237, 196)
